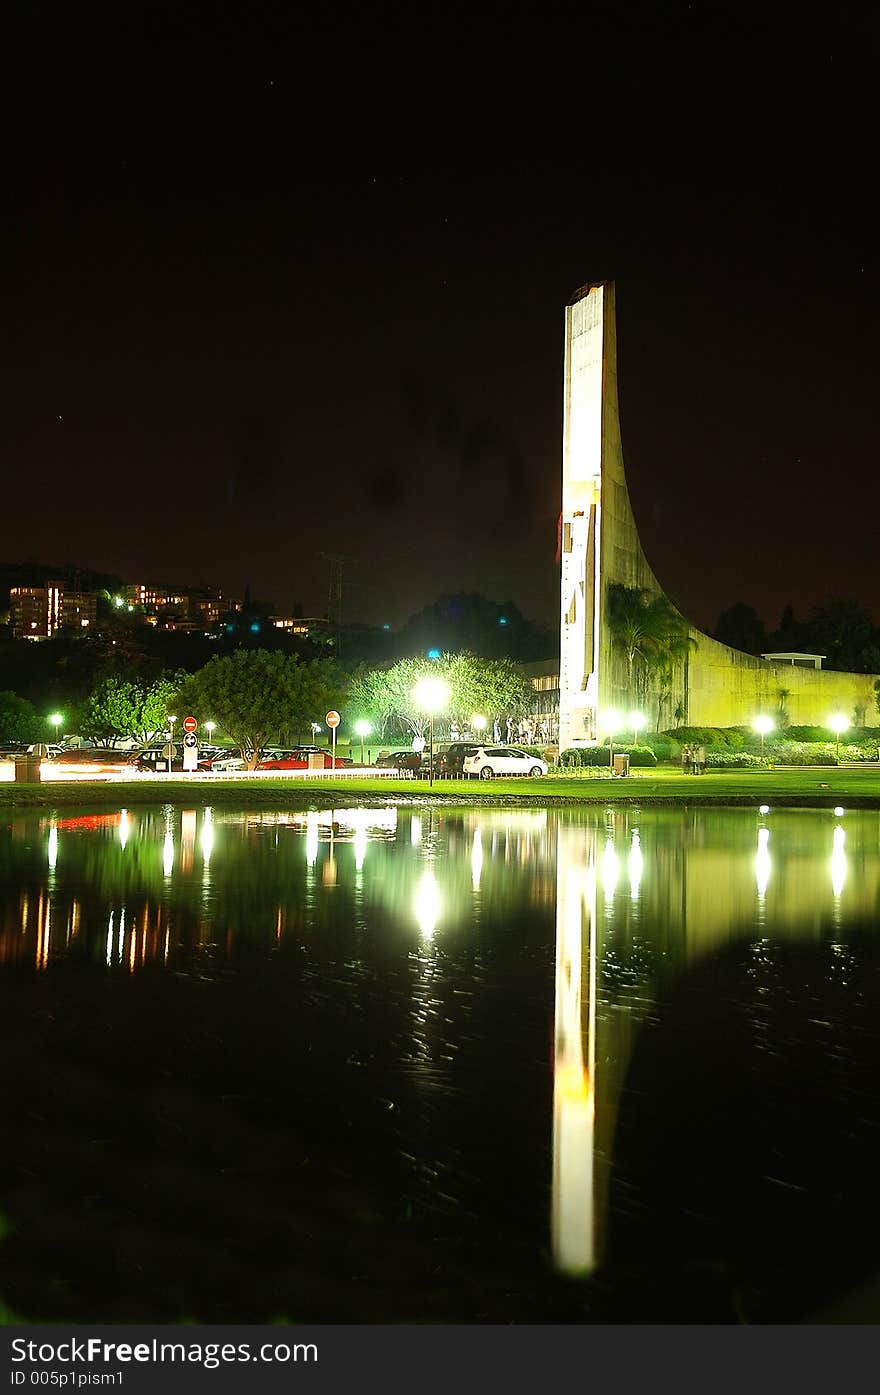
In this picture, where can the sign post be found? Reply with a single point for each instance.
(333, 719)
(190, 744)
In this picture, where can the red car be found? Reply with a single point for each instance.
(299, 760)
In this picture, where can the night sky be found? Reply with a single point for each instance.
(297, 286)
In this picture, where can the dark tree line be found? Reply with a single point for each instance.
(842, 629)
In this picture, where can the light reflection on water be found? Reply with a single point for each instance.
(610, 905)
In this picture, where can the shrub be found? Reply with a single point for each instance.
(713, 737)
(801, 753)
(600, 755)
(664, 747)
(733, 760)
(810, 734)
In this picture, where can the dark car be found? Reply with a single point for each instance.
(402, 760)
(153, 759)
(450, 762)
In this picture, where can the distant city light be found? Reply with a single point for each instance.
(433, 654)
(502, 619)
(386, 627)
(255, 629)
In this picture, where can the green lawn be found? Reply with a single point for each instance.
(816, 786)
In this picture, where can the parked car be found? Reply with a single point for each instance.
(152, 759)
(450, 761)
(46, 750)
(299, 760)
(228, 760)
(402, 760)
(488, 761)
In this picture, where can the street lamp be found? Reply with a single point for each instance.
(637, 720)
(209, 728)
(56, 719)
(762, 726)
(478, 724)
(362, 729)
(612, 725)
(431, 695)
(171, 720)
(838, 724)
(316, 727)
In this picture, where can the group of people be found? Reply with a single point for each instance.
(693, 760)
(528, 731)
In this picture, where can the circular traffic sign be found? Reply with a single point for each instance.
(190, 724)
(333, 719)
(189, 741)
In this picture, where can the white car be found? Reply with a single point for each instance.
(489, 761)
(228, 763)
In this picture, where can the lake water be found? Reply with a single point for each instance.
(402, 1064)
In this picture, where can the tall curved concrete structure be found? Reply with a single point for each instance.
(600, 545)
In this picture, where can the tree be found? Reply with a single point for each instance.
(471, 623)
(741, 627)
(130, 707)
(650, 634)
(844, 632)
(19, 719)
(254, 694)
(491, 687)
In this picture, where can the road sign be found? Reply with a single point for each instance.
(190, 741)
(333, 719)
(190, 724)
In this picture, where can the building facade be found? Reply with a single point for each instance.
(39, 612)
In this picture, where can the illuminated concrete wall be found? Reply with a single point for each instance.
(600, 544)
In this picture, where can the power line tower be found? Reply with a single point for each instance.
(335, 597)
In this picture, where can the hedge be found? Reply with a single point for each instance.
(600, 755)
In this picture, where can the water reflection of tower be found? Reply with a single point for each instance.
(593, 1039)
(575, 1239)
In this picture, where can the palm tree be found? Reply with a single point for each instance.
(652, 636)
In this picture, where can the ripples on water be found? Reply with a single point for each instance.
(387, 1064)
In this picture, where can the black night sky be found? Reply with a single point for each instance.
(295, 285)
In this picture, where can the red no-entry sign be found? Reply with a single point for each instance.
(190, 724)
(332, 719)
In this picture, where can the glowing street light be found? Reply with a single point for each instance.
(762, 725)
(637, 720)
(838, 724)
(209, 728)
(478, 724)
(362, 729)
(171, 720)
(431, 695)
(56, 719)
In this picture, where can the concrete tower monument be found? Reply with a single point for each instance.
(600, 545)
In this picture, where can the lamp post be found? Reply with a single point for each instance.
(431, 695)
(171, 720)
(838, 724)
(612, 725)
(56, 719)
(316, 727)
(209, 728)
(637, 721)
(478, 724)
(762, 726)
(362, 729)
